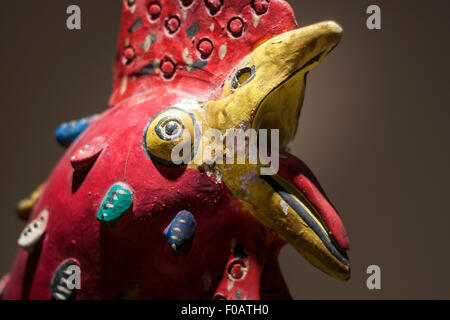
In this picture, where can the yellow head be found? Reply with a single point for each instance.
(265, 91)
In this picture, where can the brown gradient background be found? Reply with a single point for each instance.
(375, 129)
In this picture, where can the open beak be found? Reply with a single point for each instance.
(266, 92)
(302, 215)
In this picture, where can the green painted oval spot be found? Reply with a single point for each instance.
(116, 202)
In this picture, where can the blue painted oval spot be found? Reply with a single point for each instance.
(67, 132)
(180, 233)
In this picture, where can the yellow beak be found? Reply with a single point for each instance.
(266, 90)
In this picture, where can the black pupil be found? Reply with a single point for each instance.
(171, 127)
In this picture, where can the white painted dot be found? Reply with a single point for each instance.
(222, 51)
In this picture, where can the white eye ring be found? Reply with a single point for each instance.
(169, 128)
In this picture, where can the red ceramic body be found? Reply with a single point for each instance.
(132, 258)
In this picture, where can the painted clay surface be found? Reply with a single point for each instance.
(140, 226)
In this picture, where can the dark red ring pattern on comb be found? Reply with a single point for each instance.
(190, 45)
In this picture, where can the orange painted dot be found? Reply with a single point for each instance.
(205, 47)
(236, 26)
(167, 68)
(128, 55)
(214, 5)
(260, 6)
(154, 11)
(236, 270)
(172, 24)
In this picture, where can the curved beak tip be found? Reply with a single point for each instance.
(334, 27)
(347, 276)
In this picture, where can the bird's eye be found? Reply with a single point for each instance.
(172, 127)
(169, 128)
(242, 77)
(171, 131)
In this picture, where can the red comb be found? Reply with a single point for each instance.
(190, 45)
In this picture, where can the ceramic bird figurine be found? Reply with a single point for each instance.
(149, 202)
